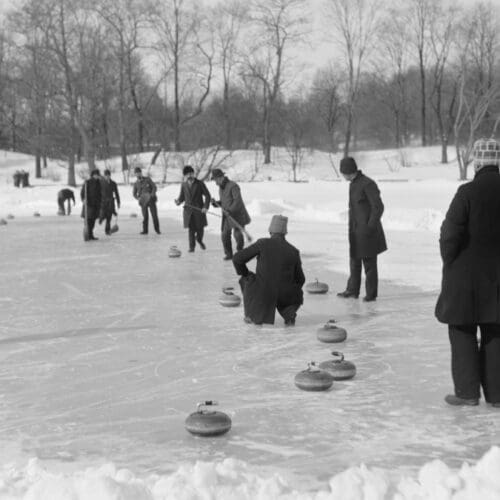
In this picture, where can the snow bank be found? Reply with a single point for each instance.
(234, 479)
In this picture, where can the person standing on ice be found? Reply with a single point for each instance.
(470, 289)
(109, 195)
(91, 197)
(278, 278)
(145, 192)
(366, 235)
(232, 205)
(196, 198)
(62, 196)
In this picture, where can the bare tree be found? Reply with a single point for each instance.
(444, 25)
(228, 20)
(279, 24)
(356, 24)
(187, 49)
(478, 91)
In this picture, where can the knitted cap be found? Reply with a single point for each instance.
(278, 224)
(486, 152)
(348, 165)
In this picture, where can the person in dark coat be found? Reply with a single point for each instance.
(278, 278)
(470, 289)
(109, 195)
(145, 192)
(232, 205)
(196, 198)
(366, 235)
(62, 196)
(91, 197)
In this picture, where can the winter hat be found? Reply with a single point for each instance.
(348, 165)
(278, 224)
(95, 172)
(486, 152)
(107, 172)
(137, 170)
(216, 173)
(188, 169)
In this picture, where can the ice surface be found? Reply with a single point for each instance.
(107, 346)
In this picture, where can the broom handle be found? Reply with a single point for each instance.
(231, 219)
(86, 208)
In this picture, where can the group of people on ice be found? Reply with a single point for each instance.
(469, 245)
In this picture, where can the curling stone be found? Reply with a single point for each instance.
(207, 422)
(339, 369)
(329, 332)
(317, 287)
(173, 252)
(229, 298)
(3, 222)
(36, 214)
(61, 212)
(10, 216)
(313, 379)
(133, 215)
(114, 228)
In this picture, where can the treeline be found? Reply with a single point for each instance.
(90, 79)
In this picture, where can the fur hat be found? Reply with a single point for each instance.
(216, 173)
(188, 169)
(486, 152)
(137, 170)
(348, 165)
(278, 224)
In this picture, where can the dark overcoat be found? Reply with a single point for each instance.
(194, 195)
(366, 235)
(109, 194)
(232, 202)
(277, 281)
(144, 191)
(470, 250)
(91, 187)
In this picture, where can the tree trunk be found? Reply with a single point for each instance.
(444, 149)
(423, 116)
(227, 117)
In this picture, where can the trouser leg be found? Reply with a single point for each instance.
(354, 281)
(60, 202)
(145, 218)
(107, 227)
(371, 276)
(465, 362)
(154, 216)
(489, 355)
(226, 240)
(91, 224)
(69, 207)
(199, 235)
(288, 312)
(238, 236)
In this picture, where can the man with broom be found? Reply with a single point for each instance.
(109, 195)
(91, 197)
(196, 198)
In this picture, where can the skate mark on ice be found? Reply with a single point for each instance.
(73, 333)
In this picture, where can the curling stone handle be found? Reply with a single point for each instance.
(312, 366)
(205, 403)
(339, 354)
(228, 290)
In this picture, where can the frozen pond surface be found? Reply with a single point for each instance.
(106, 347)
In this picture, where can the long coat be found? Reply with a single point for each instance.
(470, 250)
(109, 194)
(91, 187)
(144, 191)
(232, 202)
(194, 195)
(366, 235)
(277, 281)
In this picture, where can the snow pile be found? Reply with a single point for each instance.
(232, 479)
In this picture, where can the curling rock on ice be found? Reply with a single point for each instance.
(174, 252)
(229, 298)
(330, 332)
(339, 368)
(313, 379)
(207, 422)
(317, 287)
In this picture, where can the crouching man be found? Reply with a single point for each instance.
(278, 278)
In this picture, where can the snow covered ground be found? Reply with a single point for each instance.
(107, 346)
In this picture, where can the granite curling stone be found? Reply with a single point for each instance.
(339, 368)
(174, 252)
(229, 298)
(317, 287)
(207, 423)
(313, 379)
(330, 332)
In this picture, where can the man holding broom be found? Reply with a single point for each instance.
(91, 197)
(196, 198)
(234, 213)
